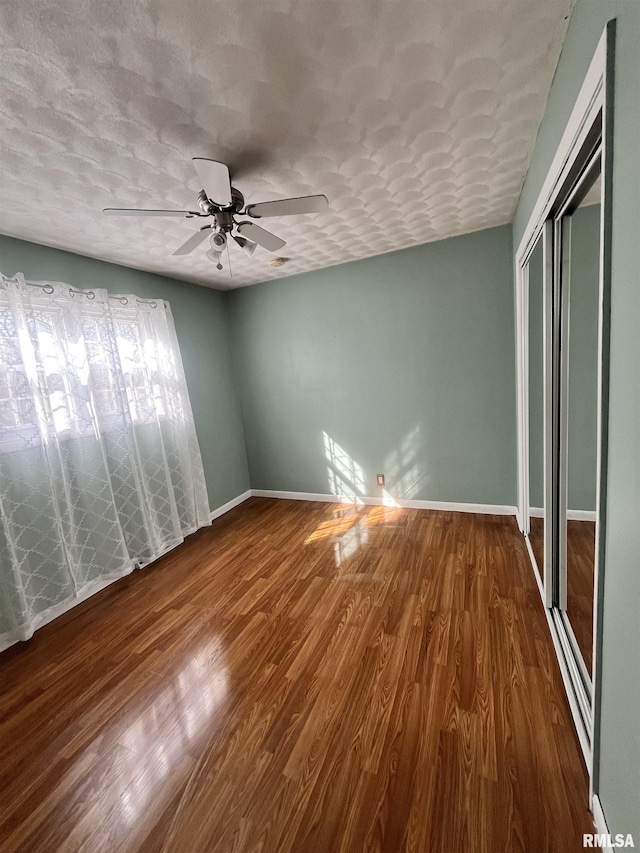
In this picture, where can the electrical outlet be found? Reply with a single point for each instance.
(380, 478)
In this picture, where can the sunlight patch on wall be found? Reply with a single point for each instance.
(345, 476)
(404, 469)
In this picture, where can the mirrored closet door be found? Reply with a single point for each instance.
(578, 228)
(561, 331)
(563, 271)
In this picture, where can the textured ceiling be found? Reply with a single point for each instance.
(415, 119)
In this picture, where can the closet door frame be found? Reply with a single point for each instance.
(590, 125)
(545, 237)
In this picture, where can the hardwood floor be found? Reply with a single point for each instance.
(581, 553)
(299, 677)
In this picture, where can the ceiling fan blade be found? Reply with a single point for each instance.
(263, 238)
(289, 206)
(133, 211)
(193, 241)
(215, 180)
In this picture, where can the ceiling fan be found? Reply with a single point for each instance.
(223, 202)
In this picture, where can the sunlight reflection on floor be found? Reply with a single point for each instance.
(180, 712)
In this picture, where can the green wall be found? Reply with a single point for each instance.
(201, 326)
(400, 364)
(618, 784)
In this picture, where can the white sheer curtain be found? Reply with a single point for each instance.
(100, 469)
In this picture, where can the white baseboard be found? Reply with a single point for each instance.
(581, 515)
(230, 505)
(446, 506)
(601, 823)
(572, 514)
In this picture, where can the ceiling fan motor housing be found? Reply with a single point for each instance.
(210, 207)
(237, 200)
(224, 219)
(203, 203)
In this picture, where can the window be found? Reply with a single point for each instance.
(76, 373)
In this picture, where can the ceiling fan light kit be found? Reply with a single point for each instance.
(247, 246)
(219, 200)
(218, 241)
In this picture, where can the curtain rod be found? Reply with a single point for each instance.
(90, 294)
